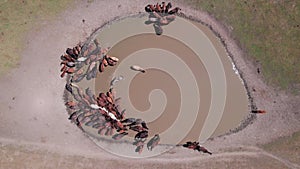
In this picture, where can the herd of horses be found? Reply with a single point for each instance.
(103, 112)
(160, 15)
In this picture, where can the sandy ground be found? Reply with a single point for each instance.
(33, 115)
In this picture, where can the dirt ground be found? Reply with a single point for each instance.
(34, 132)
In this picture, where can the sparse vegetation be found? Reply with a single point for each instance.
(18, 17)
(269, 32)
(16, 156)
(286, 147)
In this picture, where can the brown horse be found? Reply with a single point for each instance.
(174, 11)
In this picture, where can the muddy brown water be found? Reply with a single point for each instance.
(236, 105)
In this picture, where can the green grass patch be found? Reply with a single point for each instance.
(17, 17)
(269, 31)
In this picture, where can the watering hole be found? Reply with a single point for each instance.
(180, 87)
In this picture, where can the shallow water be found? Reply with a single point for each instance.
(159, 95)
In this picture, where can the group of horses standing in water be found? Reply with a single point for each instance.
(160, 15)
(103, 112)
